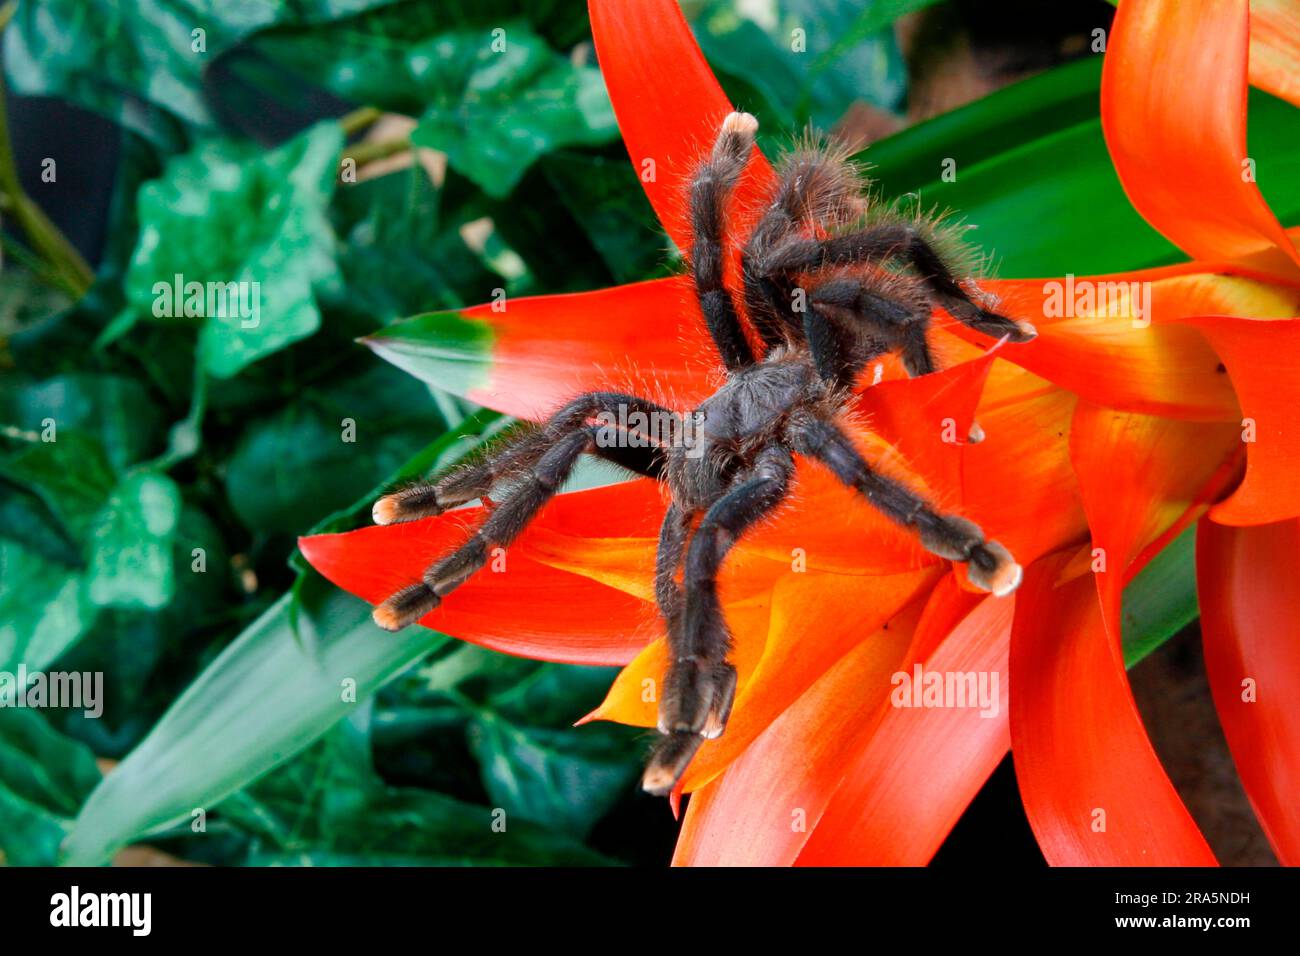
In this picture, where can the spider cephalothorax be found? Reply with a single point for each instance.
(829, 285)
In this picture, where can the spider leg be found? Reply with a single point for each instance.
(712, 184)
(701, 685)
(891, 317)
(477, 478)
(877, 244)
(502, 526)
(673, 535)
(815, 185)
(541, 459)
(989, 565)
(648, 462)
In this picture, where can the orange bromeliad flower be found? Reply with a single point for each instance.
(1114, 430)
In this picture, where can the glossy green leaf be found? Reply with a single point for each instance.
(44, 777)
(1038, 146)
(495, 109)
(44, 608)
(809, 59)
(131, 543)
(320, 453)
(328, 807)
(1161, 600)
(232, 214)
(71, 475)
(116, 410)
(117, 57)
(566, 779)
(494, 97)
(262, 700)
(605, 198)
(401, 248)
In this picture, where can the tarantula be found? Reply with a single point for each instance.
(822, 304)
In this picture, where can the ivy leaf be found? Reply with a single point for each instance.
(117, 411)
(402, 251)
(294, 467)
(603, 195)
(809, 59)
(565, 779)
(230, 213)
(71, 476)
(498, 103)
(117, 58)
(44, 608)
(493, 98)
(44, 777)
(131, 544)
(329, 807)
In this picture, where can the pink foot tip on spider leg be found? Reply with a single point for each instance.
(1002, 578)
(386, 510)
(744, 123)
(387, 617)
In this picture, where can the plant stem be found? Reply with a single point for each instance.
(358, 120)
(70, 268)
(364, 153)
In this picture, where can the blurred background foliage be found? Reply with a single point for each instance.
(154, 540)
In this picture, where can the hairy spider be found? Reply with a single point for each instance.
(829, 285)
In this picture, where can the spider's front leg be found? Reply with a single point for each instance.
(989, 565)
(700, 686)
(537, 463)
(902, 242)
(893, 314)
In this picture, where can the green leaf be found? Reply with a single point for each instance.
(604, 196)
(493, 97)
(1161, 600)
(443, 348)
(517, 717)
(565, 779)
(328, 807)
(1038, 145)
(494, 111)
(231, 213)
(44, 608)
(114, 57)
(299, 464)
(484, 425)
(44, 777)
(808, 59)
(70, 475)
(258, 703)
(402, 250)
(131, 544)
(117, 411)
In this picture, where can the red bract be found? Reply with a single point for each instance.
(1105, 438)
